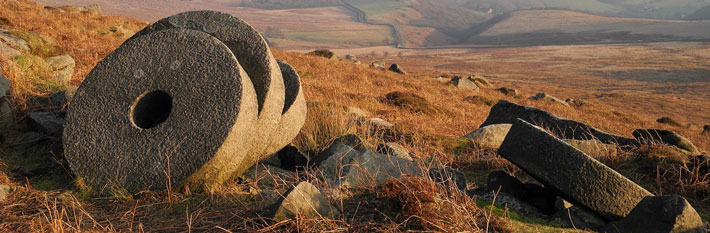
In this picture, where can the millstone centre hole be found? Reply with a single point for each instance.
(152, 109)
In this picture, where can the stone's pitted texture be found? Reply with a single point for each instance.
(660, 214)
(575, 176)
(253, 55)
(293, 115)
(397, 69)
(187, 79)
(545, 97)
(505, 112)
(51, 123)
(304, 200)
(490, 136)
(62, 68)
(464, 83)
(651, 136)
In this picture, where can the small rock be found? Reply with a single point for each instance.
(291, 159)
(652, 136)
(490, 136)
(579, 218)
(576, 103)
(356, 113)
(501, 181)
(342, 144)
(548, 98)
(397, 69)
(121, 31)
(51, 123)
(13, 41)
(508, 91)
(62, 68)
(54, 8)
(480, 81)
(669, 121)
(380, 65)
(447, 177)
(464, 83)
(4, 191)
(324, 53)
(706, 130)
(378, 126)
(354, 168)
(304, 200)
(350, 57)
(394, 149)
(660, 214)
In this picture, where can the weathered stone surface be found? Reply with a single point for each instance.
(379, 126)
(660, 214)
(4, 191)
(13, 41)
(380, 65)
(185, 109)
(350, 167)
(253, 55)
(394, 149)
(505, 112)
(304, 200)
(593, 148)
(349, 140)
(62, 68)
(397, 69)
(655, 136)
(447, 177)
(293, 113)
(547, 98)
(480, 81)
(575, 176)
(508, 91)
(51, 123)
(464, 83)
(579, 218)
(490, 136)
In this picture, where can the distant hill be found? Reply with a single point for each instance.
(540, 27)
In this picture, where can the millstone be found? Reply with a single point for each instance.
(569, 172)
(170, 108)
(294, 110)
(253, 54)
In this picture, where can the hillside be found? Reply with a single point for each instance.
(539, 27)
(428, 119)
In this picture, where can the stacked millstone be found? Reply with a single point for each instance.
(192, 100)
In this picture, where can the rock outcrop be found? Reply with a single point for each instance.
(657, 214)
(397, 69)
(464, 83)
(655, 136)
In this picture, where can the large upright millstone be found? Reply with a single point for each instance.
(253, 54)
(167, 109)
(571, 173)
(294, 112)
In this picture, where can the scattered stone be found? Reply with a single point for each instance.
(490, 136)
(13, 41)
(397, 69)
(291, 159)
(447, 177)
(350, 57)
(548, 98)
(669, 121)
(342, 144)
(356, 113)
(569, 172)
(655, 136)
(477, 99)
(394, 149)
(324, 53)
(480, 81)
(579, 218)
(379, 124)
(121, 31)
(505, 112)
(304, 200)
(593, 148)
(660, 214)
(576, 103)
(51, 123)
(408, 101)
(354, 168)
(380, 65)
(4, 191)
(706, 130)
(62, 68)
(508, 91)
(464, 83)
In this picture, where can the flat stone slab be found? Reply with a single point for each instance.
(505, 112)
(569, 172)
(164, 110)
(304, 200)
